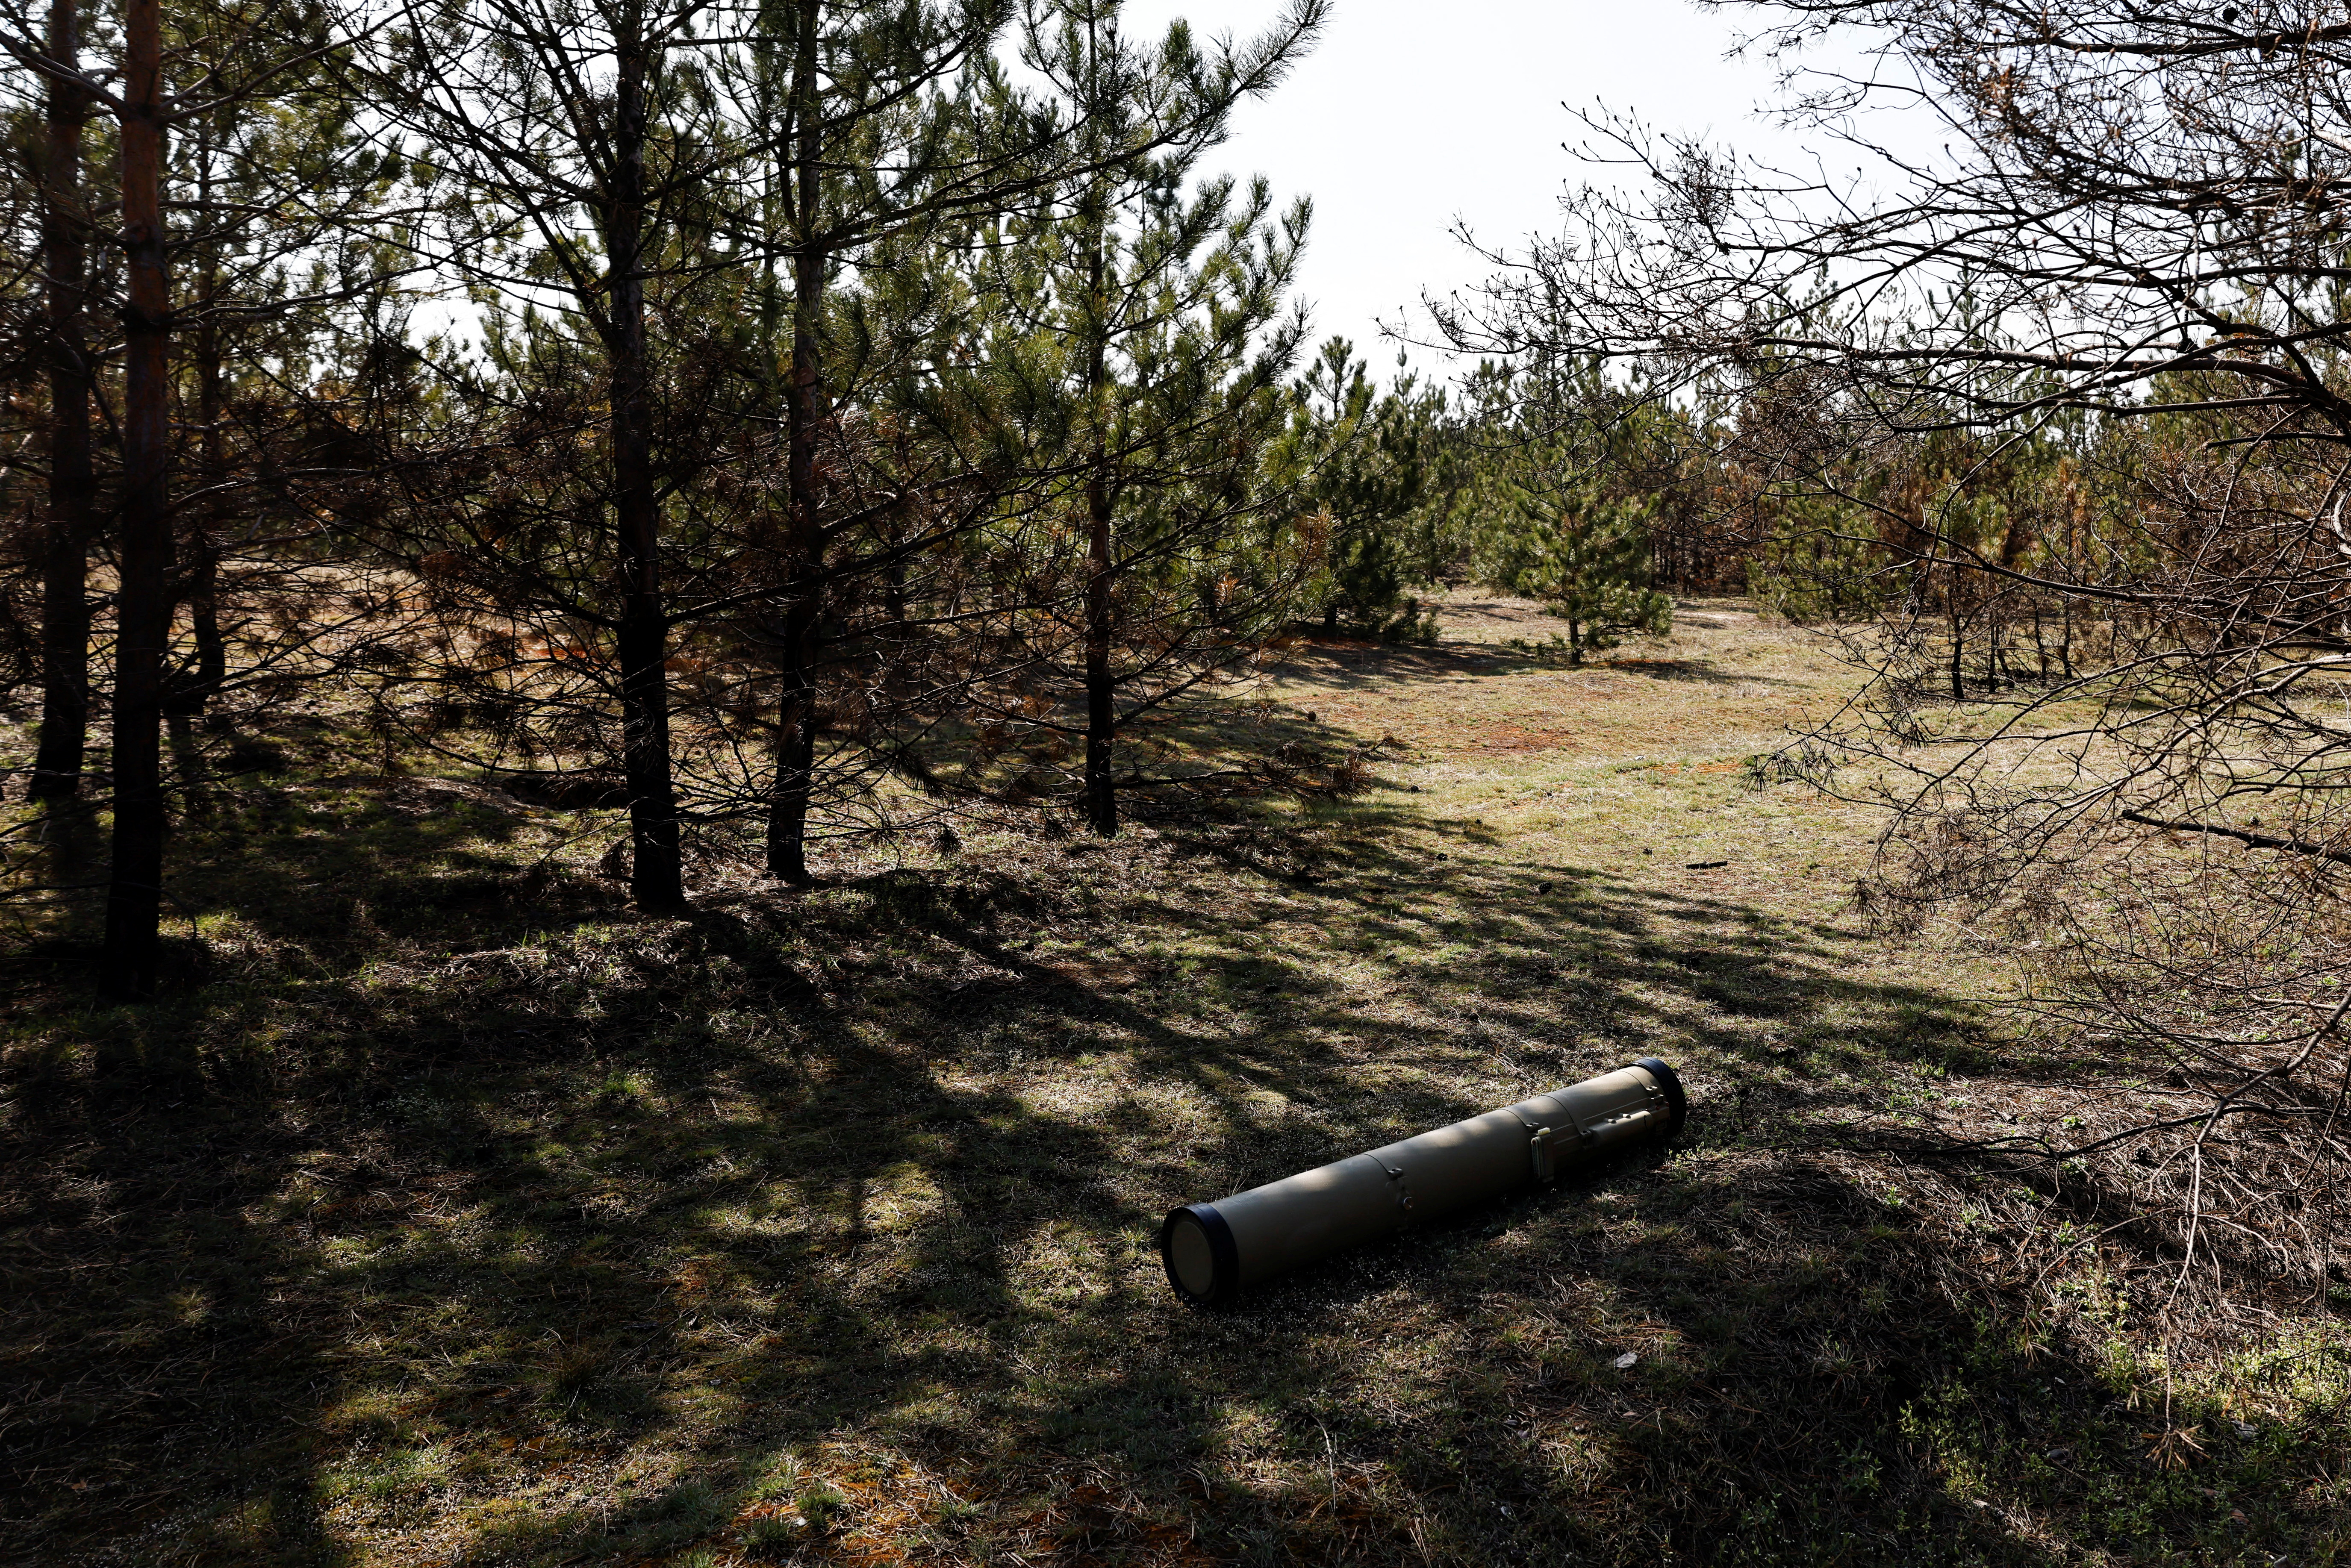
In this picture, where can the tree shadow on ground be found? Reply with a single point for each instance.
(1350, 667)
(822, 1226)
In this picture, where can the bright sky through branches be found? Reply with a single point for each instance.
(1410, 117)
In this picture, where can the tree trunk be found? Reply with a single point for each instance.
(797, 715)
(1101, 693)
(1101, 689)
(804, 413)
(191, 689)
(1958, 637)
(656, 879)
(64, 545)
(144, 601)
(186, 689)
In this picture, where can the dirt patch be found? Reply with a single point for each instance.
(1497, 740)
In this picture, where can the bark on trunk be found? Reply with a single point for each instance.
(64, 545)
(193, 688)
(1101, 795)
(143, 601)
(1102, 690)
(656, 879)
(804, 413)
(796, 727)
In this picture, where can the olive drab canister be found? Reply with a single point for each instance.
(1215, 1250)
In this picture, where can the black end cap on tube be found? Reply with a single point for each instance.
(1224, 1259)
(1673, 1088)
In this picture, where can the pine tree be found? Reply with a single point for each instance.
(1146, 312)
(578, 147)
(1376, 470)
(243, 71)
(875, 154)
(1586, 555)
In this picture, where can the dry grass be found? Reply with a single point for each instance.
(460, 1217)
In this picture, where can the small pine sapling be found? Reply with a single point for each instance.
(1587, 556)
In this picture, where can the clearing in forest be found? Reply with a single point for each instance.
(462, 1217)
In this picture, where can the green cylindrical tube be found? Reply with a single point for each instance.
(1215, 1250)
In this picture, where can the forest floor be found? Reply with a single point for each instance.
(450, 1214)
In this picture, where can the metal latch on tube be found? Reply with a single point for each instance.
(1543, 1142)
(1539, 1150)
(1544, 1148)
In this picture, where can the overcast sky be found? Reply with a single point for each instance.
(1410, 117)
